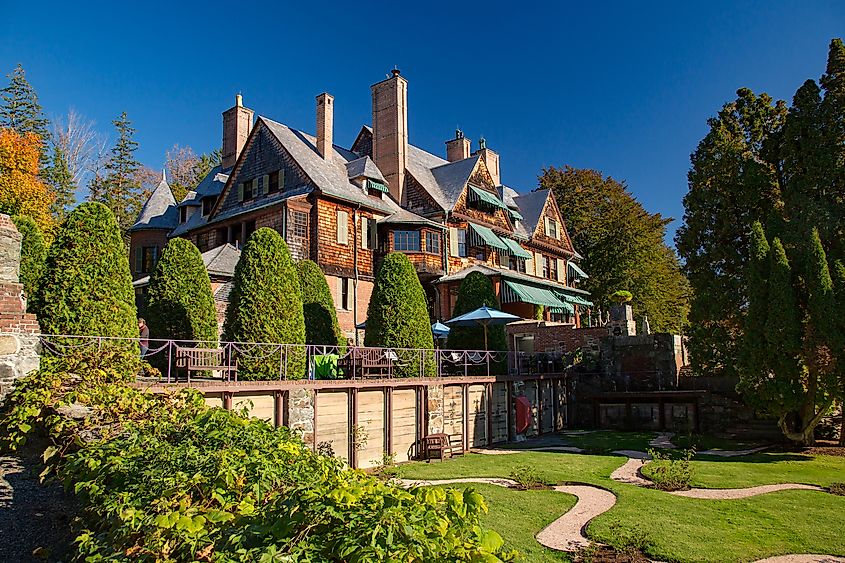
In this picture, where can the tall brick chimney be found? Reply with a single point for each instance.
(325, 123)
(457, 148)
(390, 132)
(237, 123)
(491, 159)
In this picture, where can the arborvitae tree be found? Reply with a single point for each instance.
(180, 304)
(20, 110)
(60, 180)
(476, 290)
(754, 374)
(623, 245)
(119, 189)
(732, 183)
(838, 273)
(33, 259)
(87, 287)
(397, 316)
(265, 306)
(321, 327)
(833, 118)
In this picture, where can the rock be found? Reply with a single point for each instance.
(76, 411)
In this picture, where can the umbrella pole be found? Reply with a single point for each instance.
(485, 336)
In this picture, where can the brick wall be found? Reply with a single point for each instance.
(556, 336)
(140, 239)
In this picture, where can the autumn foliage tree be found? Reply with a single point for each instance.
(22, 192)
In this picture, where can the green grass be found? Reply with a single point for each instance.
(519, 515)
(606, 441)
(676, 528)
(703, 442)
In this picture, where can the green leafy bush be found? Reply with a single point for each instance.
(670, 474)
(476, 290)
(265, 306)
(526, 477)
(166, 478)
(321, 327)
(837, 489)
(87, 288)
(621, 296)
(33, 259)
(180, 304)
(398, 317)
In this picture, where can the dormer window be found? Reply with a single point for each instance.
(208, 205)
(484, 200)
(375, 188)
(183, 214)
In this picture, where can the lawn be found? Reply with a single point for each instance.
(673, 528)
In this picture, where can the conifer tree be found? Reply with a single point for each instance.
(754, 353)
(321, 326)
(33, 259)
(838, 274)
(476, 290)
(19, 107)
(60, 179)
(119, 189)
(180, 304)
(833, 117)
(87, 287)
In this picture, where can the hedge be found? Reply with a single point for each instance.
(321, 327)
(475, 291)
(87, 288)
(265, 306)
(33, 259)
(180, 304)
(398, 317)
(165, 478)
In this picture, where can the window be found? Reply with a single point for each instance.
(247, 190)
(432, 242)
(145, 259)
(273, 184)
(551, 228)
(342, 227)
(299, 225)
(517, 264)
(552, 268)
(462, 243)
(369, 234)
(183, 214)
(222, 236)
(545, 261)
(344, 293)
(406, 241)
(250, 228)
(208, 205)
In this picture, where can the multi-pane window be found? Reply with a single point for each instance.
(432, 242)
(299, 225)
(517, 264)
(147, 257)
(208, 205)
(248, 190)
(183, 214)
(462, 243)
(552, 268)
(273, 182)
(551, 228)
(406, 241)
(545, 261)
(344, 293)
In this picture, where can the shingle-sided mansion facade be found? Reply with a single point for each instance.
(346, 208)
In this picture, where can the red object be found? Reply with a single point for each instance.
(523, 414)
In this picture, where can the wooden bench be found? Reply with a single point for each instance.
(368, 362)
(206, 359)
(442, 445)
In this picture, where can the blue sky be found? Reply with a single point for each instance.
(625, 88)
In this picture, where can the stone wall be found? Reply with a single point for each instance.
(19, 330)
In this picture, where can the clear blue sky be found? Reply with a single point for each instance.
(625, 88)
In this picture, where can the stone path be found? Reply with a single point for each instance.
(567, 532)
(663, 440)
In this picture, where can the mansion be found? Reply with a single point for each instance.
(346, 208)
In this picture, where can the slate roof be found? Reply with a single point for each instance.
(453, 177)
(365, 167)
(531, 207)
(159, 212)
(403, 216)
(219, 261)
(191, 199)
(213, 182)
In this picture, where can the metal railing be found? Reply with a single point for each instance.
(187, 360)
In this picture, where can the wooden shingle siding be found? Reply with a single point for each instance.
(419, 200)
(334, 256)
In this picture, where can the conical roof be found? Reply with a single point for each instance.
(159, 212)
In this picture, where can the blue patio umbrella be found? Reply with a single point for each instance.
(484, 316)
(439, 330)
(362, 325)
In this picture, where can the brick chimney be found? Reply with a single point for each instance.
(325, 123)
(457, 148)
(390, 131)
(237, 123)
(491, 159)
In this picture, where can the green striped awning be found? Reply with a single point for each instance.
(373, 185)
(486, 237)
(515, 291)
(575, 299)
(486, 197)
(567, 310)
(579, 273)
(515, 249)
(515, 214)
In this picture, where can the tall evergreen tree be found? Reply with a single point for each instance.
(33, 259)
(119, 189)
(321, 326)
(833, 118)
(19, 107)
(476, 290)
(60, 180)
(622, 243)
(754, 374)
(732, 183)
(838, 274)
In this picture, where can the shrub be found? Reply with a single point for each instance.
(837, 489)
(87, 288)
(526, 477)
(398, 317)
(33, 259)
(180, 304)
(621, 296)
(670, 474)
(476, 290)
(266, 306)
(321, 327)
(166, 478)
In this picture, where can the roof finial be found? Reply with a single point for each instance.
(482, 143)
(395, 72)
(164, 174)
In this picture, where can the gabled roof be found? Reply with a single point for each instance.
(213, 182)
(159, 212)
(531, 207)
(365, 167)
(190, 200)
(221, 261)
(452, 178)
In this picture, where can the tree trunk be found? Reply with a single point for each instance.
(804, 434)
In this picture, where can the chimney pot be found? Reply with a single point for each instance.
(237, 123)
(395, 72)
(325, 124)
(458, 148)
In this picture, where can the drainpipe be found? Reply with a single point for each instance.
(355, 279)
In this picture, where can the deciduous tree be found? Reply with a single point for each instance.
(22, 192)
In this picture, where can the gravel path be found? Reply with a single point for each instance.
(34, 517)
